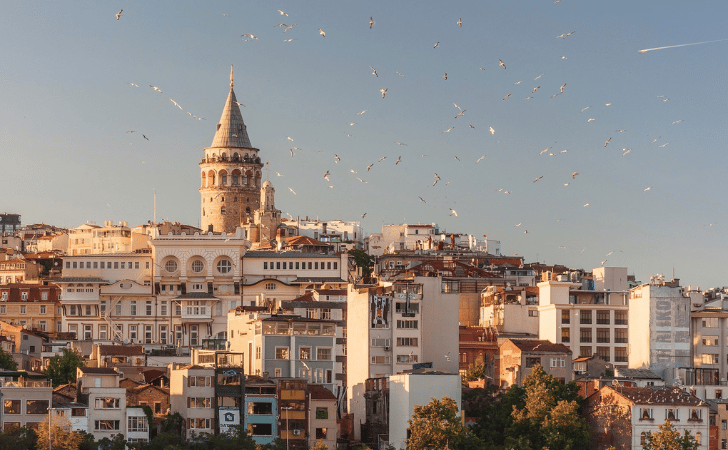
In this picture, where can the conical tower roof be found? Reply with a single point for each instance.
(231, 130)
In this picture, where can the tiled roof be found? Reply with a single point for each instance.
(320, 393)
(268, 254)
(536, 345)
(100, 370)
(195, 295)
(304, 240)
(121, 350)
(80, 280)
(152, 374)
(664, 395)
(318, 280)
(231, 131)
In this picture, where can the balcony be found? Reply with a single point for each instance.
(196, 313)
(25, 383)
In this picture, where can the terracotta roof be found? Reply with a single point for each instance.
(269, 254)
(318, 280)
(307, 297)
(99, 370)
(123, 350)
(537, 345)
(320, 393)
(663, 395)
(153, 374)
(304, 240)
(34, 293)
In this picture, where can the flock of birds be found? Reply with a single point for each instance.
(459, 114)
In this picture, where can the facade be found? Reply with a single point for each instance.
(18, 270)
(261, 409)
(25, 399)
(519, 356)
(293, 412)
(659, 332)
(230, 173)
(191, 394)
(341, 234)
(406, 390)
(34, 306)
(90, 238)
(423, 237)
(107, 412)
(588, 319)
(622, 416)
(322, 419)
(510, 309)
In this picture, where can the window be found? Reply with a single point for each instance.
(133, 308)
(620, 335)
(2, 309)
(718, 393)
(710, 322)
(585, 351)
(672, 414)
(604, 353)
(406, 359)
(194, 334)
(532, 361)
(270, 286)
(586, 317)
(199, 402)
(620, 354)
(710, 358)
(603, 317)
(646, 414)
(133, 333)
(620, 317)
(22, 309)
(107, 425)
(323, 354)
(148, 334)
(148, 308)
(401, 307)
(281, 352)
(585, 335)
(710, 340)
(107, 403)
(407, 342)
(724, 424)
(696, 414)
(643, 438)
(380, 342)
(603, 335)
(163, 334)
(103, 332)
(532, 313)
(224, 266)
(407, 324)
(5, 296)
(170, 266)
(558, 362)
(163, 308)
(304, 353)
(322, 413)
(197, 266)
(262, 408)
(199, 381)
(380, 359)
(118, 309)
(565, 335)
(138, 424)
(11, 407)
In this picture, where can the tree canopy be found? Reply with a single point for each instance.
(7, 362)
(364, 260)
(668, 438)
(435, 425)
(62, 369)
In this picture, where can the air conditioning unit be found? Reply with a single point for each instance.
(296, 432)
(386, 348)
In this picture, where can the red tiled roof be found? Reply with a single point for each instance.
(664, 395)
(304, 240)
(320, 393)
(122, 350)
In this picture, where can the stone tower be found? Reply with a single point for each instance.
(267, 217)
(230, 173)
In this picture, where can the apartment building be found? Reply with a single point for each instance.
(26, 399)
(261, 409)
(98, 387)
(518, 357)
(19, 270)
(90, 238)
(33, 306)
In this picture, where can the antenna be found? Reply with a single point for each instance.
(155, 207)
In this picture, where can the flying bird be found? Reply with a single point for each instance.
(382, 158)
(361, 112)
(681, 45)
(586, 204)
(361, 180)
(176, 104)
(664, 145)
(448, 130)
(573, 175)
(289, 27)
(399, 74)
(238, 103)
(437, 44)
(134, 84)
(591, 120)
(538, 178)
(371, 22)
(607, 142)
(399, 159)
(501, 63)
(374, 71)
(492, 131)
(544, 150)
(369, 167)
(626, 150)
(326, 176)
(471, 126)
(423, 200)
(363, 215)
(480, 159)
(399, 143)
(656, 139)
(336, 158)
(562, 87)
(460, 113)
(460, 22)
(445, 76)
(518, 224)
(145, 137)
(322, 33)
(155, 88)
(277, 173)
(454, 212)
(294, 192)
(118, 15)
(506, 96)
(248, 35)
(535, 89)
(537, 77)
(564, 57)
(384, 92)
(585, 108)
(282, 13)
(437, 176)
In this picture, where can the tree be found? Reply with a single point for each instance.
(319, 446)
(62, 369)
(435, 425)
(668, 438)
(62, 437)
(549, 417)
(475, 372)
(14, 438)
(363, 260)
(7, 362)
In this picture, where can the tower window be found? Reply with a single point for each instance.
(235, 178)
(223, 179)
(222, 210)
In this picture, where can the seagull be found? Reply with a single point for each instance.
(448, 130)
(369, 167)
(460, 22)
(136, 85)
(564, 57)
(525, 231)
(656, 139)
(460, 113)
(361, 112)
(585, 108)
(445, 76)
(238, 103)
(517, 82)
(562, 87)
(607, 142)
(564, 151)
(573, 175)
(130, 131)
(537, 77)
(351, 124)
(336, 158)
(437, 44)
(286, 40)
(423, 200)
(471, 126)
(619, 131)
(290, 27)
(626, 150)
(292, 154)
(353, 171)
(399, 74)
(399, 159)
(371, 22)
(361, 180)
(399, 143)
(479, 159)
(280, 25)
(384, 92)
(249, 35)
(538, 178)
(591, 120)
(665, 144)
(586, 204)
(492, 131)
(277, 173)
(382, 158)
(518, 224)
(501, 63)
(294, 192)
(677, 121)
(455, 213)
(437, 176)
(535, 89)
(506, 96)
(566, 184)
(322, 33)
(326, 176)
(145, 137)
(282, 13)
(155, 88)
(544, 150)
(607, 104)
(363, 215)
(457, 158)
(176, 104)
(604, 262)
(118, 15)
(374, 71)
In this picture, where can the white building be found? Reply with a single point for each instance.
(107, 412)
(406, 390)
(419, 237)
(341, 234)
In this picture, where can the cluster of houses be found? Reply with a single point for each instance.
(264, 322)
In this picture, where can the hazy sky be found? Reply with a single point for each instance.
(67, 103)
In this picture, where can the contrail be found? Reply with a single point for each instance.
(681, 45)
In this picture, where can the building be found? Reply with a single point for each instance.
(341, 234)
(293, 412)
(322, 419)
(91, 239)
(510, 309)
(622, 416)
(34, 306)
(518, 357)
(26, 399)
(406, 390)
(589, 318)
(18, 270)
(98, 387)
(261, 409)
(423, 237)
(659, 332)
(230, 173)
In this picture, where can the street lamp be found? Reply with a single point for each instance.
(287, 408)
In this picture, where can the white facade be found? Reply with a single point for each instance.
(409, 389)
(419, 237)
(344, 235)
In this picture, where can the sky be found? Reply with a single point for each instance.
(74, 81)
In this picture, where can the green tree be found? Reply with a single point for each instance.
(668, 438)
(62, 437)
(7, 362)
(475, 372)
(549, 417)
(14, 438)
(436, 425)
(235, 439)
(319, 446)
(364, 260)
(62, 369)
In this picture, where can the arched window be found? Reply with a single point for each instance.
(247, 211)
(197, 266)
(235, 179)
(224, 266)
(223, 179)
(170, 266)
(222, 210)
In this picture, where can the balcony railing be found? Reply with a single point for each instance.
(196, 312)
(25, 383)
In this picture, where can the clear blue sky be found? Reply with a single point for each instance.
(66, 104)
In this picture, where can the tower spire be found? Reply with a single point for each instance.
(231, 76)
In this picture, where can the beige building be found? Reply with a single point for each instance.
(18, 270)
(93, 239)
(230, 173)
(322, 420)
(98, 387)
(34, 306)
(25, 400)
(519, 356)
(192, 394)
